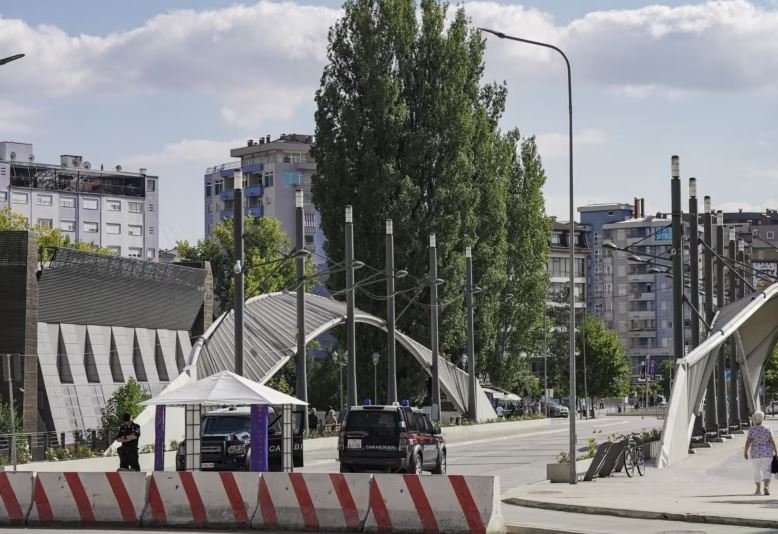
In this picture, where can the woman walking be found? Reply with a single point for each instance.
(760, 441)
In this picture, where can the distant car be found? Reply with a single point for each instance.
(394, 439)
(771, 409)
(557, 410)
(225, 441)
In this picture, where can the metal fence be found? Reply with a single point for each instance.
(56, 446)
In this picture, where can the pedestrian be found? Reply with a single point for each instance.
(329, 420)
(499, 411)
(760, 441)
(536, 408)
(128, 436)
(313, 421)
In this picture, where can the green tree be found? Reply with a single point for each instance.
(48, 238)
(771, 375)
(406, 130)
(607, 370)
(264, 242)
(126, 399)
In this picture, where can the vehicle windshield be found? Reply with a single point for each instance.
(377, 423)
(234, 424)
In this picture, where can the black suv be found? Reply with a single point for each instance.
(225, 441)
(390, 439)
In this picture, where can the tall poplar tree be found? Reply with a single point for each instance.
(405, 129)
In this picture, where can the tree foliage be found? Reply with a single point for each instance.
(48, 238)
(406, 130)
(263, 242)
(607, 370)
(771, 375)
(126, 399)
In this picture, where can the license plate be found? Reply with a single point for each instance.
(206, 465)
(354, 444)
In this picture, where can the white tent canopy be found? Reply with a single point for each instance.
(223, 388)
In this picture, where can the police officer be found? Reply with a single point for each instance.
(128, 436)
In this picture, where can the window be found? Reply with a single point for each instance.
(67, 202)
(151, 186)
(208, 189)
(151, 254)
(115, 364)
(44, 200)
(135, 207)
(44, 223)
(89, 203)
(116, 250)
(268, 179)
(151, 230)
(113, 205)
(19, 198)
(135, 252)
(137, 361)
(556, 238)
(770, 235)
(159, 360)
(293, 178)
(218, 186)
(3, 196)
(134, 229)
(67, 226)
(664, 234)
(90, 366)
(113, 228)
(91, 227)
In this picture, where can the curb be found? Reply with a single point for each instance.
(639, 514)
(523, 529)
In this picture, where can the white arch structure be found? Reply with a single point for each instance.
(753, 323)
(270, 341)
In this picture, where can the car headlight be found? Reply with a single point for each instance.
(236, 449)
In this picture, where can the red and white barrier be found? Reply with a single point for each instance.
(201, 499)
(88, 498)
(450, 504)
(16, 497)
(313, 501)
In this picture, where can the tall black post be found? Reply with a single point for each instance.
(734, 371)
(302, 370)
(391, 391)
(434, 328)
(711, 406)
(351, 340)
(677, 252)
(237, 227)
(721, 360)
(694, 262)
(472, 408)
(742, 289)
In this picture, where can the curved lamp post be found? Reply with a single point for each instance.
(572, 452)
(11, 58)
(376, 357)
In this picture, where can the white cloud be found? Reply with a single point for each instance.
(15, 118)
(555, 144)
(202, 152)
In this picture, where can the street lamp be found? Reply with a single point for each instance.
(571, 240)
(340, 363)
(376, 357)
(11, 58)
(463, 361)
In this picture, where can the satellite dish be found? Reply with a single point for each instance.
(87, 165)
(13, 156)
(118, 168)
(31, 157)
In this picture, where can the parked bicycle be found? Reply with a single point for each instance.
(633, 456)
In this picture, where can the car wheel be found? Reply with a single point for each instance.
(440, 469)
(418, 465)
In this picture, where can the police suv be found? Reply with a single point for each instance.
(225, 441)
(390, 439)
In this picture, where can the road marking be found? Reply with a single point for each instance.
(560, 431)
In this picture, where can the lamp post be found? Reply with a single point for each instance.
(572, 451)
(11, 58)
(339, 362)
(301, 368)
(472, 407)
(721, 360)
(351, 342)
(433, 254)
(677, 253)
(376, 357)
(391, 385)
(237, 226)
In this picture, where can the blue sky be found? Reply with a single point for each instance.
(172, 85)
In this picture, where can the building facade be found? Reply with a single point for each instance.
(272, 172)
(114, 209)
(559, 264)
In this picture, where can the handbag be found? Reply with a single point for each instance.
(774, 465)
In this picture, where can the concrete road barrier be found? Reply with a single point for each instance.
(202, 499)
(313, 501)
(16, 497)
(88, 498)
(450, 504)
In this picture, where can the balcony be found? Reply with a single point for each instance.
(254, 167)
(254, 191)
(228, 195)
(305, 166)
(225, 214)
(227, 173)
(258, 211)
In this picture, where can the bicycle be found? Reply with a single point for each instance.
(633, 456)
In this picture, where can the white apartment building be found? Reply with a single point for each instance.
(113, 209)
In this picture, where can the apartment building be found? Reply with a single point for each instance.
(115, 209)
(559, 263)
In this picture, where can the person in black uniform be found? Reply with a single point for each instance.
(128, 436)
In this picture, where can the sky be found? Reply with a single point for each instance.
(172, 85)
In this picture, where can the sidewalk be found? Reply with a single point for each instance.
(712, 486)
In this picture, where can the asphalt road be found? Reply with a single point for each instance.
(518, 457)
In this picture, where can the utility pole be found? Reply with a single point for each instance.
(8, 369)
(711, 405)
(734, 368)
(351, 342)
(391, 384)
(434, 328)
(677, 252)
(302, 364)
(721, 360)
(237, 226)
(472, 407)
(742, 288)
(694, 261)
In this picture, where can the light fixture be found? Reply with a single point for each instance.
(468, 251)
(402, 273)
(389, 227)
(692, 187)
(349, 215)
(610, 245)
(433, 241)
(706, 204)
(376, 357)
(356, 265)
(298, 198)
(675, 167)
(636, 258)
